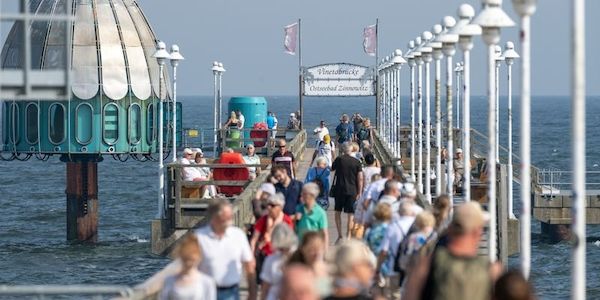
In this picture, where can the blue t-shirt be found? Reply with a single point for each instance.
(291, 194)
(344, 132)
(271, 122)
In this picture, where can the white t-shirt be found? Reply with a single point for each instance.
(272, 273)
(204, 288)
(223, 257)
(368, 172)
(189, 173)
(326, 150)
(241, 121)
(321, 132)
(252, 160)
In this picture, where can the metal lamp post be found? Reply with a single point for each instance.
(509, 56)
(437, 56)
(161, 56)
(499, 59)
(419, 61)
(175, 58)
(491, 19)
(215, 69)
(412, 63)
(458, 71)
(427, 57)
(525, 8)
(466, 31)
(449, 40)
(398, 61)
(220, 92)
(578, 151)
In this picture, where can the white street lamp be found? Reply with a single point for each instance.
(427, 57)
(175, 58)
(466, 31)
(220, 98)
(491, 19)
(458, 71)
(449, 40)
(578, 151)
(499, 59)
(412, 63)
(419, 61)
(437, 56)
(398, 61)
(509, 56)
(525, 8)
(215, 69)
(161, 56)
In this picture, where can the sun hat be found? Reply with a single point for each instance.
(198, 150)
(268, 188)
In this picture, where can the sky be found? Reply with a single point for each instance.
(247, 36)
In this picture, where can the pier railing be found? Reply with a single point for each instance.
(553, 180)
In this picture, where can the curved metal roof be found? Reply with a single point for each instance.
(112, 49)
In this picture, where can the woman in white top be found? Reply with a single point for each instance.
(251, 158)
(284, 240)
(189, 283)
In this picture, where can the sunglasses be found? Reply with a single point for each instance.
(281, 146)
(272, 205)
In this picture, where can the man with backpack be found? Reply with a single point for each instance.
(326, 149)
(344, 130)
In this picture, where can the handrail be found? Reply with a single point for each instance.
(76, 289)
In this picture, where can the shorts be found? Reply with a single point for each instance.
(345, 203)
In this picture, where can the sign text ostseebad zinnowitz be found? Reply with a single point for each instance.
(338, 80)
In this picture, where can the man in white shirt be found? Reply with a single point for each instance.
(226, 250)
(321, 131)
(189, 173)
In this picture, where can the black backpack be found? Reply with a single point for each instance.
(363, 134)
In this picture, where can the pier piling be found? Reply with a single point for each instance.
(82, 199)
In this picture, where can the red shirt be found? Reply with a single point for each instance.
(261, 227)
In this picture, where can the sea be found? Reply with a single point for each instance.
(34, 250)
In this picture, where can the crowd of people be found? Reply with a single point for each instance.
(390, 247)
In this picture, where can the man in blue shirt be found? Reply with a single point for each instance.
(344, 130)
(272, 124)
(290, 188)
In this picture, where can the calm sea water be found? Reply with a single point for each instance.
(33, 249)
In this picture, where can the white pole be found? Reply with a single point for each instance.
(578, 132)
(450, 160)
(215, 110)
(393, 109)
(438, 126)
(525, 145)
(467, 124)
(161, 173)
(428, 129)
(220, 98)
(420, 133)
(458, 87)
(174, 113)
(412, 120)
(398, 110)
(497, 112)
(491, 161)
(510, 160)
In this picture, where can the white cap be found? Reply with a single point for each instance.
(198, 150)
(188, 151)
(459, 150)
(267, 188)
(292, 114)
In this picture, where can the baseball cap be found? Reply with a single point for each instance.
(469, 216)
(268, 188)
(292, 114)
(198, 150)
(277, 199)
(459, 150)
(408, 190)
(188, 151)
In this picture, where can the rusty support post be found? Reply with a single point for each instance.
(82, 199)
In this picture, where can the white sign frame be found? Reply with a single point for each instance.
(338, 80)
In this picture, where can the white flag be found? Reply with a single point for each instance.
(370, 40)
(291, 37)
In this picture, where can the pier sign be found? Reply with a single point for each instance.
(339, 88)
(341, 80)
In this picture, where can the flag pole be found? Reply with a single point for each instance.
(377, 114)
(300, 77)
